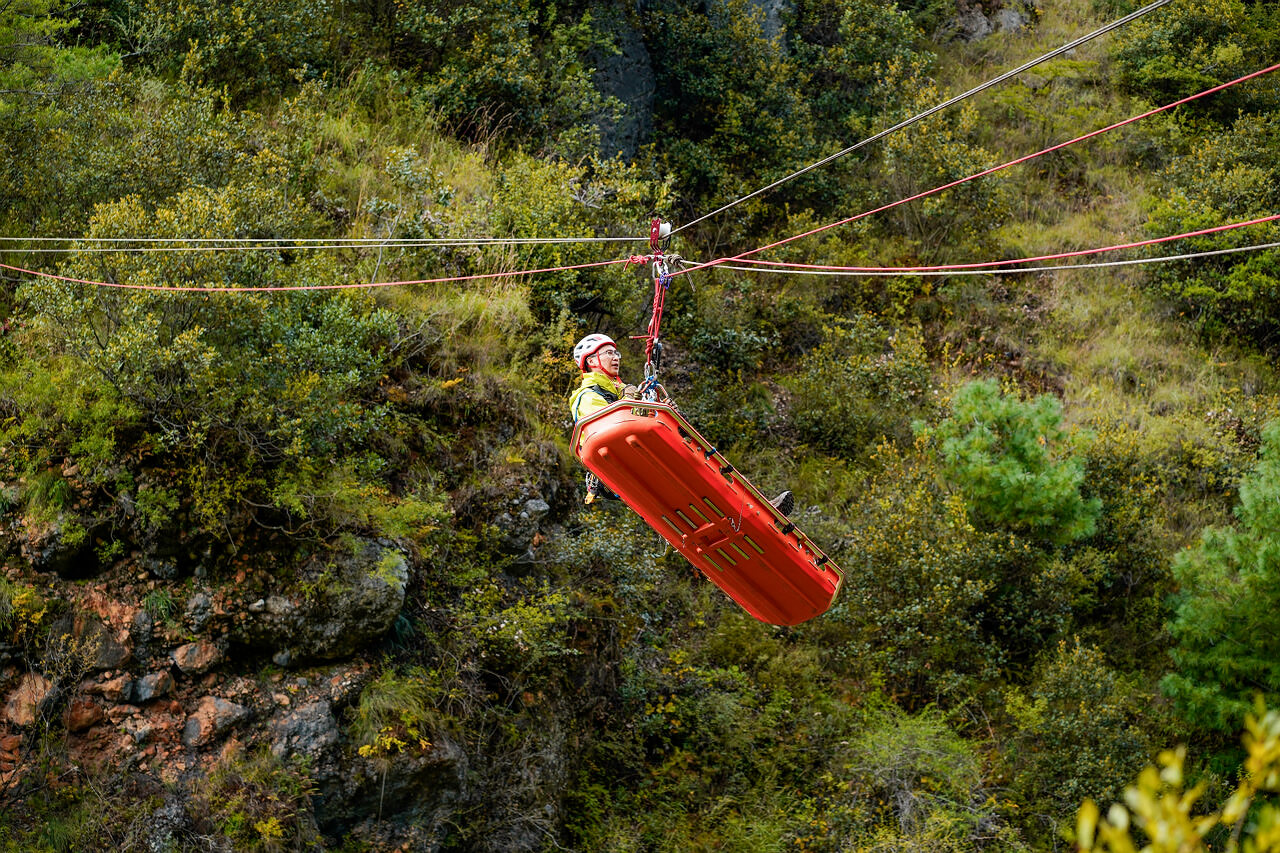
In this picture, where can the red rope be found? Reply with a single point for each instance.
(661, 281)
(984, 172)
(1056, 256)
(655, 322)
(277, 289)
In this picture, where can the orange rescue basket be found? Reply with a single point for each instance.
(668, 473)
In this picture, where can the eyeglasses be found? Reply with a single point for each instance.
(609, 352)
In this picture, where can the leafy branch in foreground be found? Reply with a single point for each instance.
(1160, 807)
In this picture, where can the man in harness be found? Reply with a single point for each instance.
(598, 358)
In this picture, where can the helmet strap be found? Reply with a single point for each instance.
(599, 367)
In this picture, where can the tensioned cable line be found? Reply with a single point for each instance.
(301, 287)
(919, 117)
(1137, 244)
(318, 242)
(1016, 161)
(1004, 270)
(981, 266)
(134, 250)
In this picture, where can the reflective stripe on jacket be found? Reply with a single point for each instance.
(595, 392)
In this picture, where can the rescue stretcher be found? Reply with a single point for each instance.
(677, 482)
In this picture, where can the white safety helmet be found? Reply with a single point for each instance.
(589, 346)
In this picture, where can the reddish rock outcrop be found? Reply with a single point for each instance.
(212, 716)
(83, 713)
(26, 700)
(196, 658)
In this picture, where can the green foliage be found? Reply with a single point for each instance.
(1006, 457)
(247, 49)
(83, 418)
(119, 137)
(1186, 48)
(737, 105)
(161, 605)
(727, 103)
(39, 61)
(539, 198)
(156, 506)
(618, 545)
(864, 383)
(24, 613)
(500, 66)
(703, 741)
(100, 811)
(8, 609)
(1079, 732)
(1230, 176)
(526, 634)
(44, 75)
(227, 379)
(930, 602)
(348, 497)
(731, 350)
(396, 713)
(852, 51)
(1224, 626)
(913, 782)
(46, 493)
(1159, 812)
(1135, 475)
(942, 150)
(256, 802)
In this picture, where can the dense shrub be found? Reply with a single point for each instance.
(241, 386)
(930, 602)
(943, 149)
(727, 104)
(499, 67)
(40, 59)
(1230, 177)
(1186, 48)
(248, 49)
(1126, 560)
(911, 782)
(539, 198)
(741, 101)
(115, 139)
(851, 51)
(1161, 810)
(864, 383)
(1079, 730)
(1225, 626)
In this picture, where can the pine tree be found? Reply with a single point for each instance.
(1227, 623)
(1005, 456)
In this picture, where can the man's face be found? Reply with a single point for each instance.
(608, 359)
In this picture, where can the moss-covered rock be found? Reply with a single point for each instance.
(347, 600)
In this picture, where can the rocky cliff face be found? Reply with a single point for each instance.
(976, 21)
(164, 678)
(627, 77)
(626, 74)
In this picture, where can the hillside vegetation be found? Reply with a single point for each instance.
(311, 570)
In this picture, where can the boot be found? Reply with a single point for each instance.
(784, 503)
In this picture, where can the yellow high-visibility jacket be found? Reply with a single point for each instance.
(596, 391)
